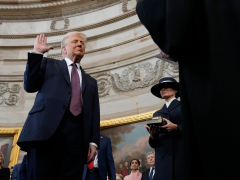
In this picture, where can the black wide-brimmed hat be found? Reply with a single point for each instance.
(166, 82)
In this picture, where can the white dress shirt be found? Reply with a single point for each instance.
(151, 170)
(96, 161)
(69, 65)
(169, 102)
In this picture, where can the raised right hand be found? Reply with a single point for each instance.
(153, 131)
(40, 44)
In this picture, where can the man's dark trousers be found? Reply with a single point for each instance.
(61, 157)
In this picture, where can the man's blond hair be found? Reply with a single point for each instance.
(63, 43)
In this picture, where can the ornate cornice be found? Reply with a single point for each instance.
(126, 120)
(79, 11)
(83, 28)
(59, 55)
(44, 5)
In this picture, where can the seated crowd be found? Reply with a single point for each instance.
(136, 171)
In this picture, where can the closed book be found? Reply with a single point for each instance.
(157, 121)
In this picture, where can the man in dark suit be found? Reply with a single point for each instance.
(103, 164)
(126, 169)
(148, 174)
(63, 124)
(203, 36)
(15, 172)
(23, 169)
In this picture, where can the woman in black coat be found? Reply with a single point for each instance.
(4, 172)
(167, 140)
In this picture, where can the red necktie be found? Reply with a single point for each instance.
(76, 101)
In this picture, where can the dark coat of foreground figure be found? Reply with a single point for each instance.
(168, 146)
(203, 36)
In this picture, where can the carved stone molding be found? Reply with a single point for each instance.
(60, 57)
(9, 96)
(53, 24)
(83, 28)
(44, 5)
(136, 76)
(125, 5)
(79, 11)
(126, 120)
(104, 83)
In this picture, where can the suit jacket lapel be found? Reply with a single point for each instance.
(164, 109)
(63, 66)
(84, 79)
(173, 104)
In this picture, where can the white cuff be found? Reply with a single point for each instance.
(34, 52)
(92, 143)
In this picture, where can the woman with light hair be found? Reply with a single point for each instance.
(4, 172)
(119, 177)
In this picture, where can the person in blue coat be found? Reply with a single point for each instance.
(23, 169)
(103, 164)
(15, 173)
(167, 140)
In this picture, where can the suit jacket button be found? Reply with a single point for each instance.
(170, 153)
(162, 156)
(69, 92)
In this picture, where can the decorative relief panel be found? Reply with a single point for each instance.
(129, 5)
(134, 77)
(62, 22)
(9, 96)
(104, 84)
(137, 76)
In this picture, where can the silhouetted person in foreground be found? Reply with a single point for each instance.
(203, 36)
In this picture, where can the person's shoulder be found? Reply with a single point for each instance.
(146, 171)
(105, 137)
(5, 169)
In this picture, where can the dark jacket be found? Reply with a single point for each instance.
(15, 172)
(105, 159)
(168, 146)
(4, 173)
(51, 79)
(203, 36)
(23, 169)
(145, 175)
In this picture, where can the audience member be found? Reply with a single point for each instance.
(149, 173)
(103, 164)
(135, 174)
(142, 168)
(119, 171)
(126, 170)
(167, 139)
(23, 169)
(15, 172)
(119, 177)
(4, 171)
